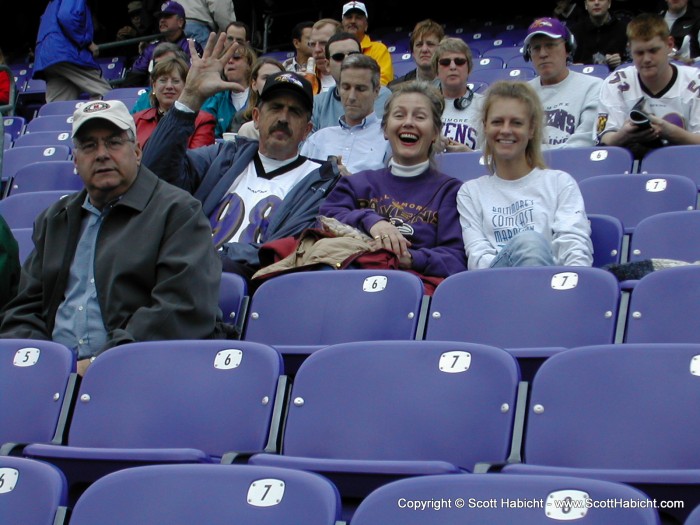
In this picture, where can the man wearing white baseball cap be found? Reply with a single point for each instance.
(128, 258)
(355, 21)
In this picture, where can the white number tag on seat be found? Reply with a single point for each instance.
(227, 359)
(599, 154)
(266, 492)
(63, 136)
(376, 283)
(455, 362)
(8, 479)
(564, 281)
(566, 505)
(49, 152)
(654, 185)
(26, 357)
(695, 365)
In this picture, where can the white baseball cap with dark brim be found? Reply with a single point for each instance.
(113, 111)
(357, 6)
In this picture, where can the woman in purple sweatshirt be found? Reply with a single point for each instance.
(409, 207)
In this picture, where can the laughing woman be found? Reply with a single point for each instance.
(523, 214)
(408, 208)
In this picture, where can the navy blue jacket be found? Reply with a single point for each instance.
(209, 171)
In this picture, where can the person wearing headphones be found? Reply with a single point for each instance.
(569, 98)
(461, 121)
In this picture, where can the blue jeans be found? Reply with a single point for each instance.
(198, 31)
(527, 248)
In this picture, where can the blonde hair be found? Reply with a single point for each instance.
(523, 92)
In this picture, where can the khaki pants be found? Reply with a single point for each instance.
(65, 81)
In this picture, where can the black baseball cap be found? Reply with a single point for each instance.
(289, 82)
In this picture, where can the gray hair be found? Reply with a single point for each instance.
(360, 61)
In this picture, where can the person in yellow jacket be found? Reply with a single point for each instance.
(355, 22)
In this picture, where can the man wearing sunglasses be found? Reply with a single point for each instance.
(328, 107)
(570, 98)
(461, 119)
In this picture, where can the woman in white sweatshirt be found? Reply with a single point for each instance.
(523, 214)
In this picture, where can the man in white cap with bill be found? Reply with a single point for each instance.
(128, 258)
(355, 21)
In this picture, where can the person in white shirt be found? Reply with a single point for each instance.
(358, 140)
(523, 214)
(569, 98)
(666, 92)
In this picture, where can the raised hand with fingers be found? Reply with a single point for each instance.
(205, 76)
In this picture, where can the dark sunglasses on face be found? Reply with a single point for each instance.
(447, 61)
(338, 57)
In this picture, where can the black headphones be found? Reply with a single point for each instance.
(463, 102)
(569, 43)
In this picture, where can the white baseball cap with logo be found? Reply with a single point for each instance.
(113, 111)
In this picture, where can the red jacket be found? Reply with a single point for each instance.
(204, 124)
(4, 87)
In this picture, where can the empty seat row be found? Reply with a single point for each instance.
(250, 495)
(366, 413)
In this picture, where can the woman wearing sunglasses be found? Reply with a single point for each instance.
(523, 214)
(461, 120)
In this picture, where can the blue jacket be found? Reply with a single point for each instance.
(65, 32)
(209, 171)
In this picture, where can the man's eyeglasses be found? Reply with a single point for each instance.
(111, 143)
(338, 57)
(445, 62)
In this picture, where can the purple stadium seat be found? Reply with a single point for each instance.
(37, 379)
(168, 402)
(59, 107)
(16, 157)
(55, 175)
(322, 308)
(23, 236)
(462, 165)
(14, 125)
(632, 197)
(50, 123)
(211, 494)
(681, 160)
(365, 413)
(19, 211)
(622, 413)
(45, 138)
(664, 307)
(670, 235)
(607, 235)
(455, 500)
(584, 162)
(541, 311)
(31, 492)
